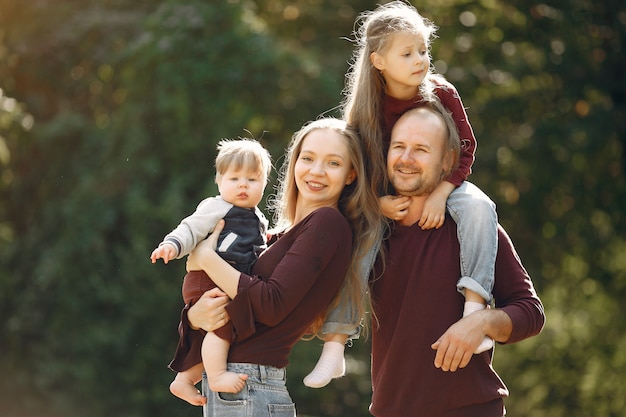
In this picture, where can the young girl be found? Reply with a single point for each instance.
(391, 73)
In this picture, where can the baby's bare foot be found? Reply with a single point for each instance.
(187, 392)
(227, 382)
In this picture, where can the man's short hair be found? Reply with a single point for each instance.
(453, 140)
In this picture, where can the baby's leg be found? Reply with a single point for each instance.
(184, 385)
(331, 363)
(474, 302)
(214, 357)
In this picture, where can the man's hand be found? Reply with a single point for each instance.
(456, 346)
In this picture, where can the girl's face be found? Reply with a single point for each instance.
(241, 187)
(404, 64)
(323, 169)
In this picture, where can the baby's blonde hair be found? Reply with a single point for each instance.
(239, 154)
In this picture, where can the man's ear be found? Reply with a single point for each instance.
(377, 61)
(449, 161)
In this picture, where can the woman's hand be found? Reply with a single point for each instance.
(209, 312)
(204, 248)
(205, 258)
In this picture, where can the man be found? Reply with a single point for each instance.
(422, 354)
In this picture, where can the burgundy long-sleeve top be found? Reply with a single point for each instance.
(415, 301)
(449, 97)
(292, 282)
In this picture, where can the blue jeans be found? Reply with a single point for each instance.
(477, 230)
(342, 318)
(265, 394)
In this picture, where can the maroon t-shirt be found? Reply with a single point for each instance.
(415, 301)
(292, 282)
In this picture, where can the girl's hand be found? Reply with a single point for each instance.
(434, 212)
(194, 260)
(394, 207)
(209, 312)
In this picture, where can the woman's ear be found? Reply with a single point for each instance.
(377, 61)
(351, 177)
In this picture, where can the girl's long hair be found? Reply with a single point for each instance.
(364, 92)
(356, 202)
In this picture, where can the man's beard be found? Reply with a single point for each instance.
(421, 187)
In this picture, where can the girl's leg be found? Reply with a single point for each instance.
(214, 357)
(474, 302)
(341, 324)
(331, 363)
(184, 385)
(477, 230)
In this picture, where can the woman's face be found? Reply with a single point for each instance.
(323, 168)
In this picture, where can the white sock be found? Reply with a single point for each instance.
(331, 364)
(471, 307)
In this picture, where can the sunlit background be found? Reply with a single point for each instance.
(109, 115)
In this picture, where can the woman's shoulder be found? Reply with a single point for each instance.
(327, 215)
(329, 227)
(326, 220)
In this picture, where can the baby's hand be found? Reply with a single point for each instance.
(434, 213)
(166, 252)
(394, 207)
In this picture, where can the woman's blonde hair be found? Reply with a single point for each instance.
(356, 203)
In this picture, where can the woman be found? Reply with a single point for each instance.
(326, 221)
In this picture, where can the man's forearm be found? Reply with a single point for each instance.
(496, 324)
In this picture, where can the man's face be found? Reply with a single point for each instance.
(416, 158)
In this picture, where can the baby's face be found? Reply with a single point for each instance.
(242, 187)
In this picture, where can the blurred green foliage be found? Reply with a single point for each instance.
(109, 116)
